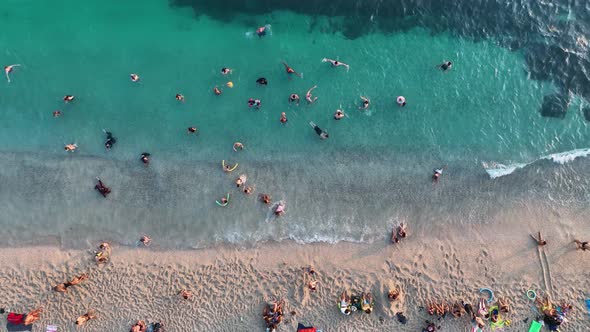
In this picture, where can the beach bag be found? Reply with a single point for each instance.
(14, 318)
(303, 328)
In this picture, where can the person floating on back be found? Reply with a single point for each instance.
(336, 63)
(321, 133)
(8, 69)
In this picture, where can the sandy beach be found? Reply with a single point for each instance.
(231, 285)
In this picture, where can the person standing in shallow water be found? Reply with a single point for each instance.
(145, 158)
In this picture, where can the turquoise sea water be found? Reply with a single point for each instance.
(373, 171)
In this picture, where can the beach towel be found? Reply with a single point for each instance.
(303, 328)
(588, 306)
(51, 328)
(18, 327)
(535, 326)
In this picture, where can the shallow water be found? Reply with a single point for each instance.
(372, 172)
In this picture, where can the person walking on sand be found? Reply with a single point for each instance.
(186, 294)
(582, 245)
(308, 97)
(8, 69)
(336, 63)
(540, 241)
(291, 70)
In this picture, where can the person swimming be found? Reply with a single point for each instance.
(238, 145)
(437, 174)
(338, 115)
(56, 114)
(401, 101)
(294, 98)
(145, 158)
(291, 70)
(192, 130)
(102, 189)
(179, 97)
(71, 147)
(225, 71)
(216, 91)
(111, 140)
(241, 180)
(336, 63)
(283, 117)
(308, 96)
(261, 31)
(134, 77)
(446, 65)
(365, 103)
(262, 81)
(8, 69)
(254, 103)
(68, 98)
(280, 209)
(265, 198)
(322, 133)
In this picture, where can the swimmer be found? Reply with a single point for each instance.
(225, 71)
(216, 91)
(291, 70)
(401, 101)
(145, 240)
(241, 180)
(336, 63)
(179, 97)
(134, 77)
(261, 32)
(294, 98)
(145, 158)
(102, 189)
(238, 145)
(262, 81)
(437, 174)
(8, 70)
(365, 104)
(56, 114)
(108, 144)
(308, 96)
(446, 65)
(248, 190)
(68, 98)
(71, 147)
(283, 117)
(338, 115)
(280, 209)
(322, 133)
(254, 102)
(192, 130)
(265, 198)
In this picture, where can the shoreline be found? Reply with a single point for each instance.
(231, 284)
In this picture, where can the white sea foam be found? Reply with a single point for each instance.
(496, 170)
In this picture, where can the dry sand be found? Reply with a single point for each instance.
(230, 285)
